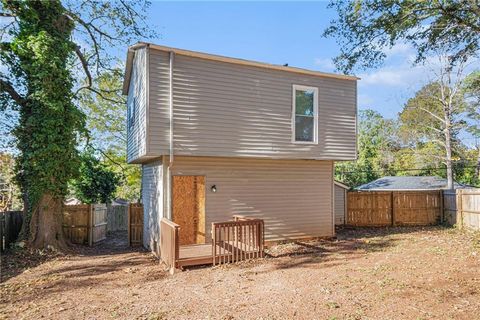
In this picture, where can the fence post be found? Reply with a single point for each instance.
(442, 209)
(459, 211)
(90, 225)
(392, 210)
(214, 243)
(2, 231)
(129, 224)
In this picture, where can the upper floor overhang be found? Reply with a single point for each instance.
(214, 57)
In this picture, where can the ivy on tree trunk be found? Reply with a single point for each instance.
(49, 122)
(41, 42)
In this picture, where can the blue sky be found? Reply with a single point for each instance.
(283, 32)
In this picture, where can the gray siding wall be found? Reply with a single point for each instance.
(137, 93)
(223, 109)
(159, 124)
(152, 198)
(294, 197)
(340, 205)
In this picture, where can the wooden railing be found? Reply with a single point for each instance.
(237, 240)
(169, 243)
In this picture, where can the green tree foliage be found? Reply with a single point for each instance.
(471, 92)
(365, 28)
(106, 123)
(435, 115)
(40, 49)
(377, 145)
(10, 198)
(130, 175)
(96, 183)
(49, 122)
(418, 142)
(106, 119)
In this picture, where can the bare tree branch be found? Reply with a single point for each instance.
(6, 86)
(84, 63)
(101, 94)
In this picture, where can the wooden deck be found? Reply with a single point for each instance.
(202, 254)
(232, 241)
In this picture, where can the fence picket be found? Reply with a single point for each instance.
(387, 208)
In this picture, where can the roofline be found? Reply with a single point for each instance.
(377, 190)
(128, 65)
(214, 57)
(338, 183)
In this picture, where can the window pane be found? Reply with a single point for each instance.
(304, 128)
(304, 102)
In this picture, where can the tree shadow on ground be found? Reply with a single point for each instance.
(85, 273)
(349, 244)
(370, 232)
(16, 260)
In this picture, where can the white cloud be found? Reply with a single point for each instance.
(325, 64)
(402, 75)
(405, 74)
(399, 49)
(364, 100)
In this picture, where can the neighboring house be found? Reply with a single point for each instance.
(340, 204)
(406, 183)
(218, 136)
(72, 201)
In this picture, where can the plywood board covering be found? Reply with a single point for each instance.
(188, 208)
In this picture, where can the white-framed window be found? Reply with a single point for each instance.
(131, 113)
(304, 114)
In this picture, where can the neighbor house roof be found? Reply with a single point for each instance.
(340, 184)
(208, 56)
(408, 183)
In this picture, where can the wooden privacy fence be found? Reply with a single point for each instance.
(85, 223)
(237, 240)
(394, 208)
(117, 218)
(462, 208)
(10, 226)
(135, 224)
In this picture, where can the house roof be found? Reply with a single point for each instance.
(408, 183)
(208, 56)
(340, 184)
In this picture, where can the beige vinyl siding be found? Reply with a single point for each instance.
(294, 197)
(137, 134)
(152, 199)
(224, 109)
(340, 205)
(158, 106)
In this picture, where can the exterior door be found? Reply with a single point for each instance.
(188, 208)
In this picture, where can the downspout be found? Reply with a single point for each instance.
(170, 114)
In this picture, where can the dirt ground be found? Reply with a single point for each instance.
(397, 273)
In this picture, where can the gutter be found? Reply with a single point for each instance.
(171, 148)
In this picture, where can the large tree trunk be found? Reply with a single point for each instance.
(46, 224)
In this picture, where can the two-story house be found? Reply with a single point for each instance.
(218, 136)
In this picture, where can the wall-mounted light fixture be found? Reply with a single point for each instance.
(213, 188)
